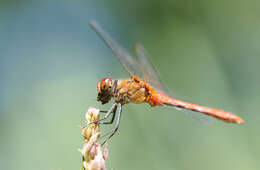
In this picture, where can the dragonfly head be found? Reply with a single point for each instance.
(104, 88)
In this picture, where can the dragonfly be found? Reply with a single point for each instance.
(143, 86)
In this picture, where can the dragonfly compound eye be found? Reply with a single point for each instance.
(104, 90)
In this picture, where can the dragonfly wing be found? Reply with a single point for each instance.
(149, 72)
(201, 118)
(129, 63)
(151, 76)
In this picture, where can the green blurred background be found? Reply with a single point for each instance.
(206, 52)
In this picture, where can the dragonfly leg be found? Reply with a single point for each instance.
(111, 110)
(113, 131)
(103, 111)
(113, 117)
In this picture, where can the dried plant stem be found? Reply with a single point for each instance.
(92, 156)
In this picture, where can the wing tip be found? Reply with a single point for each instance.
(93, 23)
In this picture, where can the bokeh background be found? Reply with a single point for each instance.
(206, 52)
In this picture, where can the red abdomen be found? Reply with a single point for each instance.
(160, 99)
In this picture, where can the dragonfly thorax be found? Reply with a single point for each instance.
(132, 90)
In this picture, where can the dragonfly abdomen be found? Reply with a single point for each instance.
(161, 99)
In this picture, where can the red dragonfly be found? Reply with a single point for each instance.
(144, 86)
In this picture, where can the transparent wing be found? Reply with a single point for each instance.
(201, 118)
(149, 72)
(151, 76)
(129, 63)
